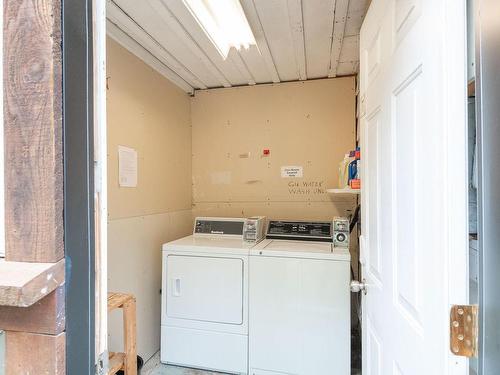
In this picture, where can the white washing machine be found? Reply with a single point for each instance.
(299, 311)
(204, 322)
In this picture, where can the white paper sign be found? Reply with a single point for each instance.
(127, 166)
(292, 172)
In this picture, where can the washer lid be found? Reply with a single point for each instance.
(300, 249)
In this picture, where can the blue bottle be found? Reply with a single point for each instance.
(353, 169)
(353, 165)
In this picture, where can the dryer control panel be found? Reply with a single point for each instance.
(219, 226)
(300, 230)
(249, 229)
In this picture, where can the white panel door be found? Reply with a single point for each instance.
(414, 236)
(206, 289)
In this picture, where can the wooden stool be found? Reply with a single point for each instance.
(124, 361)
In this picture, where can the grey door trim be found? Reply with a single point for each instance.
(488, 136)
(79, 186)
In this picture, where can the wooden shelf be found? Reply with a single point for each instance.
(117, 300)
(22, 283)
(344, 191)
(126, 361)
(116, 363)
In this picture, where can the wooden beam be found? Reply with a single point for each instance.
(126, 361)
(45, 316)
(130, 27)
(116, 361)
(22, 283)
(235, 57)
(297, 29)
(185, 37)
(31, 353)
(129, 333)
(31, 311)
(341, 9)
(118, 300)
(138, 50)
(260, 37)
(33, 131)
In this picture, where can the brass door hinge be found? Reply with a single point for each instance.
(464, 330)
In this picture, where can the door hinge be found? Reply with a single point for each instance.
(464, 330)
(102, 365)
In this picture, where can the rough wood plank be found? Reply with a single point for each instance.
(116, 362)
(22, 284)
(296, 20)
(117, 300)
(31, 353)
(341, 9)
(45, 316)
(33, 130)
(260, 38)
(162, 9)
(129, 334)
(129, 360)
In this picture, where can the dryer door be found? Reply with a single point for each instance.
(205, 289)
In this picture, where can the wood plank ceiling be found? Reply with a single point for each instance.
(296, 40)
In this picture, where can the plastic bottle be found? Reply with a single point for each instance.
(344, 172)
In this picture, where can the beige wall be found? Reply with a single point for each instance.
(309, 124)
(150, 114)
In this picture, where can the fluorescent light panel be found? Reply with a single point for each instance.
(224, 22)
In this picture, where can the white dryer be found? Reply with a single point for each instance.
(204, 321)
(299, 311)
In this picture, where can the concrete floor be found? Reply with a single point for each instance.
(158, 369)
(172, 370)
(154, 367)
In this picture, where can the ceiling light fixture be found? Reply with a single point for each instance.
(224, 22)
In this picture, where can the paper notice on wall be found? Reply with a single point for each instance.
(292, 172)
(127, 166)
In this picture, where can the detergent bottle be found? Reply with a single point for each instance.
(344, 172)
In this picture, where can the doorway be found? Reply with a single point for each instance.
(460, 260)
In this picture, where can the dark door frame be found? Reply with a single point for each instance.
(79, 228)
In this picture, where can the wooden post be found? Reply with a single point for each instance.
(33, 131)
(32, 353)
(129, 336)
(46, 316)
(124, 361)
(34, 228)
